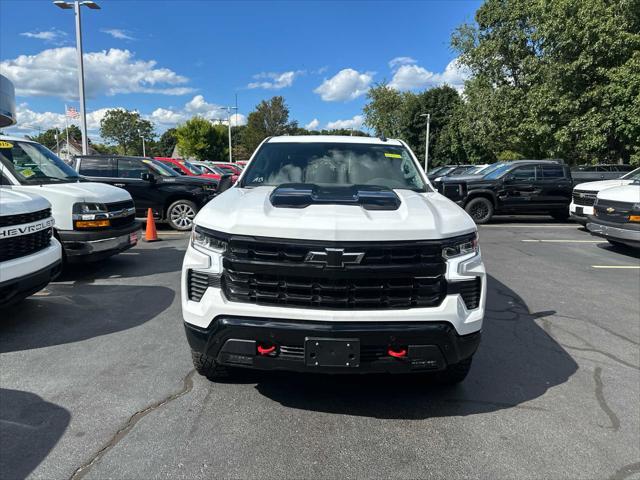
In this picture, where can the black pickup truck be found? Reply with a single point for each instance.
(522, 187)
(173, 198)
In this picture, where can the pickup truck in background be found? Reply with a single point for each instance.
(593, 173)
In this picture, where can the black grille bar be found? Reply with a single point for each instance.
(198, 282)
(469, 290)
(23, 218)
(23, 245)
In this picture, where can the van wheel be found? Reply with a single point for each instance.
(455, 373)
(480, 209)
(207, 366)
(181, 213)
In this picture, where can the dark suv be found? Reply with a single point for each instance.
(519, 187)
(173, 198)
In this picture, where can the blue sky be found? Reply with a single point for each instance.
(171, 60)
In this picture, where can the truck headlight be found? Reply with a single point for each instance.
(90, 215)
(463, 247)
(207, 242)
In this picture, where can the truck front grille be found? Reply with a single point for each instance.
(23, 245)
(612, 211)
(387, 275)
(584, 198)
(24, 218)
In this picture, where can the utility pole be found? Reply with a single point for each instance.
(75, 5)
(426, 142)
(228, 109)
(144, 150)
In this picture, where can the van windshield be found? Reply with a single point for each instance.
(34, 164)
(336, 164)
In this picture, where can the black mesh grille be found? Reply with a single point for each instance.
(584, 198)
(23, 218)
(198, 282)
(122, 221)
(389, 275)
(469, 290)
(23, 245)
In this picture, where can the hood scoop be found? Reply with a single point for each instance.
(301, 195)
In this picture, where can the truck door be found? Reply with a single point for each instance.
(144, 193)
(521, 190)
(555, 186)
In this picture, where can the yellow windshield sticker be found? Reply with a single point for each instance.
(27, 172)
(392, 155)
(146, 161)
(4, 144)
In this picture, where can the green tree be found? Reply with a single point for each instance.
(198, 138)
(48, 137)
(384, 111)
(125, 128)
(554, 79)
(270, 118)
(164, 147)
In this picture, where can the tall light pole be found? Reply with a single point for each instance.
(75, 5)
(144, 150)
(426, 141)
(228, 109)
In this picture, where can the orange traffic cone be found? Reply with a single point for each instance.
(150, 235)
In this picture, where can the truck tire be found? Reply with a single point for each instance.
(480, 209)
(207, 366)
(181, 213)
(455, 373)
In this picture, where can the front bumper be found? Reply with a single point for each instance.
(580, 213)
(430, 346)
(616, 232)
(91, 246)
(25, 276)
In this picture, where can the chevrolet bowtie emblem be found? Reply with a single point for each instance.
(334, 257)
(611, 210)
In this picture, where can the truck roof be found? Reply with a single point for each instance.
(333, 139)
(15, 139)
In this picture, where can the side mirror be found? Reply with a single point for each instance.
(509, 177)
(147, 177)
(224, 183)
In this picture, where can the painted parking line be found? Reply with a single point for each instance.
(568, 240)
(630, 267)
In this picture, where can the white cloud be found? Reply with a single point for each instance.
(52, 72)
(274, 80)
(30, 121)
(118, 33)
(347, 84)
(398, 61)
(409, 77)
(313, 124)
(167, 117)
(196, 106)
(355, 123)
(52, 35)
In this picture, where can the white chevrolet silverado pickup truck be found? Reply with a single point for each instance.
(29, 255)
(333, 254)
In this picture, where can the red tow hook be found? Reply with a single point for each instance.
(399, 353)
(265, 351)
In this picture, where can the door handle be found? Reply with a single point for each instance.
(122, 185)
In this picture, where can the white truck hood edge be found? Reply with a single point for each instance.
(601, 185)
(421, 216)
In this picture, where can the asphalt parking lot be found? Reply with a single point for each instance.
(97, 382)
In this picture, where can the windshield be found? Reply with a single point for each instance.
(32, 163)
(192, 168)
(498, 171)
(633, 175)
(339, 164)
(160, 168)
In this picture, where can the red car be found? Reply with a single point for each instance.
(231, 168)
(183, 167)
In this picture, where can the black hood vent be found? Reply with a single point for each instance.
(301, 195)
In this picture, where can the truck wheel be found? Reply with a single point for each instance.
(561, 215)
(455, 373)
(207, 366)
(480, 209)
(181, 213)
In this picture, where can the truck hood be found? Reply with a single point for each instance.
(421, 216)
(627, 193)
(601, 185)
(15, 203)
(77, 192)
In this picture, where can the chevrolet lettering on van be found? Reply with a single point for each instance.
(9, 232)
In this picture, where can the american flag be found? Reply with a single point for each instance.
(72, 112)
